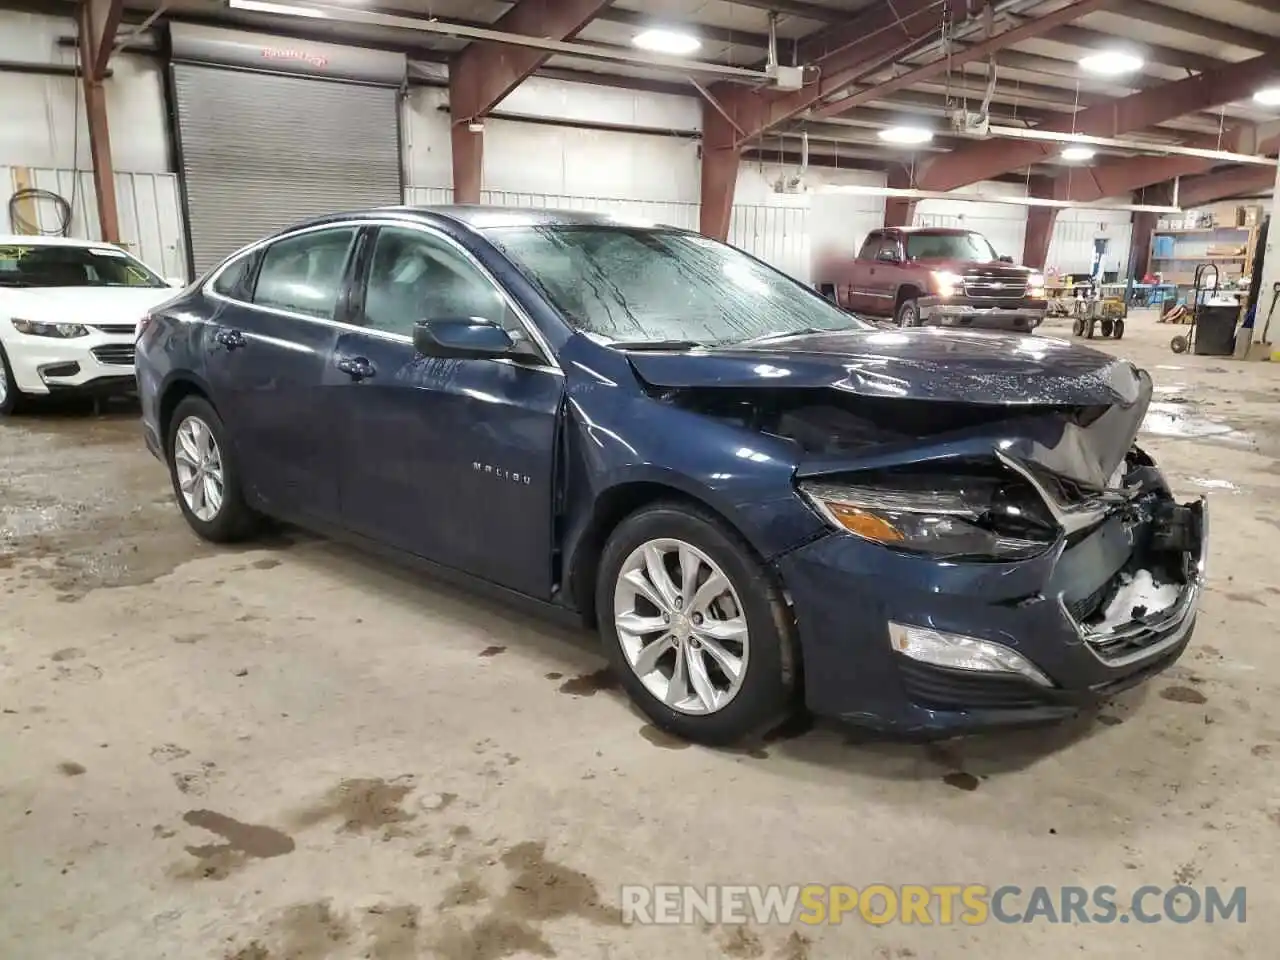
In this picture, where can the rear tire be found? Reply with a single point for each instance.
(11, 398)
(680, 671)
(908, 313)
(205, 475)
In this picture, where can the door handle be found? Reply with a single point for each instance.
(357, 368)
(231, 339)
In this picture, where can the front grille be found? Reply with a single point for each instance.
(115, 355)
(944, 689)
(118, 329)
(994, 288)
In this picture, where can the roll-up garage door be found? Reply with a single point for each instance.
(262, 149)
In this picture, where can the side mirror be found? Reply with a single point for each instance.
(1005, 259)
(467, 338)
(887, 256)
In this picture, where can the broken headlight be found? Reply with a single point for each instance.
(976, 516)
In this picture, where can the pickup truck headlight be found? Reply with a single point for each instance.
(37, 328)
(947, 284)
(961, 517)
(1035, 286)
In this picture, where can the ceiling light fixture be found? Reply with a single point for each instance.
(284, 9)
(1111, 63)
(905, 135)
(666, 41)
(1078, 153)
(1268, 97)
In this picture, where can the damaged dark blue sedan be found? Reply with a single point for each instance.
(760, 500)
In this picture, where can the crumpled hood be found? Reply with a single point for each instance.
(923, 364)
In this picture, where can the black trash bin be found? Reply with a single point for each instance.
(1216, 331)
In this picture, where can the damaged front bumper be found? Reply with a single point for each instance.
(1051, 611)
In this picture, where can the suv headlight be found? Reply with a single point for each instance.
(983, 514)
(1035, 286)
(38, 328)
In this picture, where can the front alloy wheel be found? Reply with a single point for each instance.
(681, 626)
(695, 626)
(9, 393)
(197, 459)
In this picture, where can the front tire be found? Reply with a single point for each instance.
(909, 313)
(695, 627)
(11, 398)
(205, 477)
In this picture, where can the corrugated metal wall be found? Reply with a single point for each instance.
(150, 211)
(778, 235)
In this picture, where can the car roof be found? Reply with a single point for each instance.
(939, 230)
(39, 240)
(480, 217)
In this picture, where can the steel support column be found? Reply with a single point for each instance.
(484, 73)
(720, 158)
(899, 211)
(468, 163)
(99, 20)
(1040, 221)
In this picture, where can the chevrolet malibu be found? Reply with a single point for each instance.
(69, 313)
(759, 500)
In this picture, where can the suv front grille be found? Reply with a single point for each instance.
(118, 329)
(115, 355)
(995, 288)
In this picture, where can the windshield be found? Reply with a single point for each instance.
(54, 265)
(633, 285)
(950, 246)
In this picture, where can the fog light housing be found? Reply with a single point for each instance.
(955, 651)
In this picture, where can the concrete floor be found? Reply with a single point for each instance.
(295, 751)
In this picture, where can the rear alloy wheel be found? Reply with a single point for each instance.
(909, 313)
(204, 474)
(10, 395)
(695, 627)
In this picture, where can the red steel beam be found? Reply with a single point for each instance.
(1119, 177)
(1027, 30)
(97, 26)
(871, 40)
(104, 18)
(1225, 184)
(483, 73)
(1140, 110)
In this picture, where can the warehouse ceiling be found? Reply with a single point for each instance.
(1199, 64)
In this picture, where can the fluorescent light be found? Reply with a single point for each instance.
(907, 135)
(287, 9)
(1268, 97)
(666, 41)
(1078, 153)
(1111, 63)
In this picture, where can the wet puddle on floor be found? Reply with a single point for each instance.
(1182, 421)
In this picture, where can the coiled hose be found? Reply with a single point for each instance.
(35, 195)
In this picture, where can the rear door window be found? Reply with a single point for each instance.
(304, 274)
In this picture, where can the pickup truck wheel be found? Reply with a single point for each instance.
(909, 313)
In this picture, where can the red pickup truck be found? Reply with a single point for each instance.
(934, 276)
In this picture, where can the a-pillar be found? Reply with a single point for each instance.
(899, 211)
(1270, 274)
(720, 156)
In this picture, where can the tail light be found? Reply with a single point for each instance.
(146, 323)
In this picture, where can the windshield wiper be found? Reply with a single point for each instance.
(15, 283)
(656, 344)
(803, 332)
